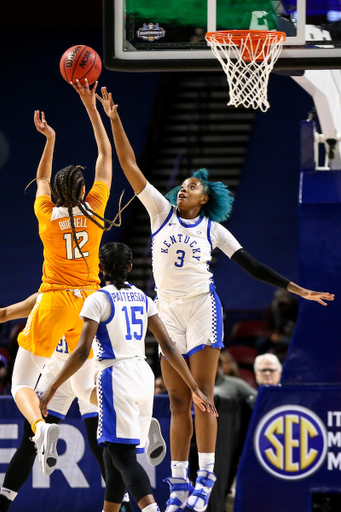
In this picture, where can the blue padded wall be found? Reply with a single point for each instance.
(293, 448)
(315, 351)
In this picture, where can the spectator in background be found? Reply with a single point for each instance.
(227, 386)
(1, 326)
(159, 387)
(228, 365)
(8, 351)
(5, 384)
(268, 370)
(12, 349)
(280, 319)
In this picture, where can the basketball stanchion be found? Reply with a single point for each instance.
(247, 57)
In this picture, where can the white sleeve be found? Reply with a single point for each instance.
(223, 239)
(156, 205)
(152, 309)
(153, 200)
(96, 307)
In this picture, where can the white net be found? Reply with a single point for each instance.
(247, 61)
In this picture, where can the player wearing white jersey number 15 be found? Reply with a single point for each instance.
(21, 464)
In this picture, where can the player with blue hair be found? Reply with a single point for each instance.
(185, 230)
(219, 207)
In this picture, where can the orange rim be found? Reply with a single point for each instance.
(236, 36)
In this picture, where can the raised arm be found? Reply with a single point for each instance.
(175, 358)
(268, 275)
(103, 170)
(44, 170)
(19, 310)
(124, 150)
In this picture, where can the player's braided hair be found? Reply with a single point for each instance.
(219, 205)
(116, 260)
(68, 185)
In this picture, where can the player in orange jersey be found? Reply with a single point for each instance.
(71, 232)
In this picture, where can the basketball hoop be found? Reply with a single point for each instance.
(247, 57)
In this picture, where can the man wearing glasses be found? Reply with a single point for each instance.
(268, 370)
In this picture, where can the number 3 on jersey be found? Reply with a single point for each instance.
(181, 257)
(73, 253)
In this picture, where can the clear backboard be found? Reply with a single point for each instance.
(160, 35)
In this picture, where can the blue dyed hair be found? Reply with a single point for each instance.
(220, 199)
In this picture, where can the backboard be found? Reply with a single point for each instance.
(150, 35)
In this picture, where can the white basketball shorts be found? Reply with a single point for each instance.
(65, 395)
(125, 393)
(195, 324)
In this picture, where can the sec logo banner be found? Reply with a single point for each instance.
(291, 442)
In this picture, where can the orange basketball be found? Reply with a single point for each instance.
(80, 62)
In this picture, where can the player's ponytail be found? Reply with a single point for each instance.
(68, 186)
(116, 261)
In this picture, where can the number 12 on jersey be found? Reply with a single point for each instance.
(73, 253)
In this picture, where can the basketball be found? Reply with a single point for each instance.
(80, 62)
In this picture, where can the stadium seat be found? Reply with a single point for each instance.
(243, 354)
(248, 329)
(248, 376)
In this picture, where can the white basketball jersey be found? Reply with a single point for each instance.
(181, 252)
(122, 335)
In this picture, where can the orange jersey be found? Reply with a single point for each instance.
(64, 266)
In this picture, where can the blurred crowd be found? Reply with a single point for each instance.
(8, 350)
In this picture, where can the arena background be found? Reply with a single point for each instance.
(33, 37)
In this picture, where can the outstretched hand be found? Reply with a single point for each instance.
(317, 296)
(87, 95)
(203, 402)
(45, 399)
(42, 126)
(108, 103)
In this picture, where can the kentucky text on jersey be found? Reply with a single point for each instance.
(181, 238)
(80, 222)
(129, 296)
